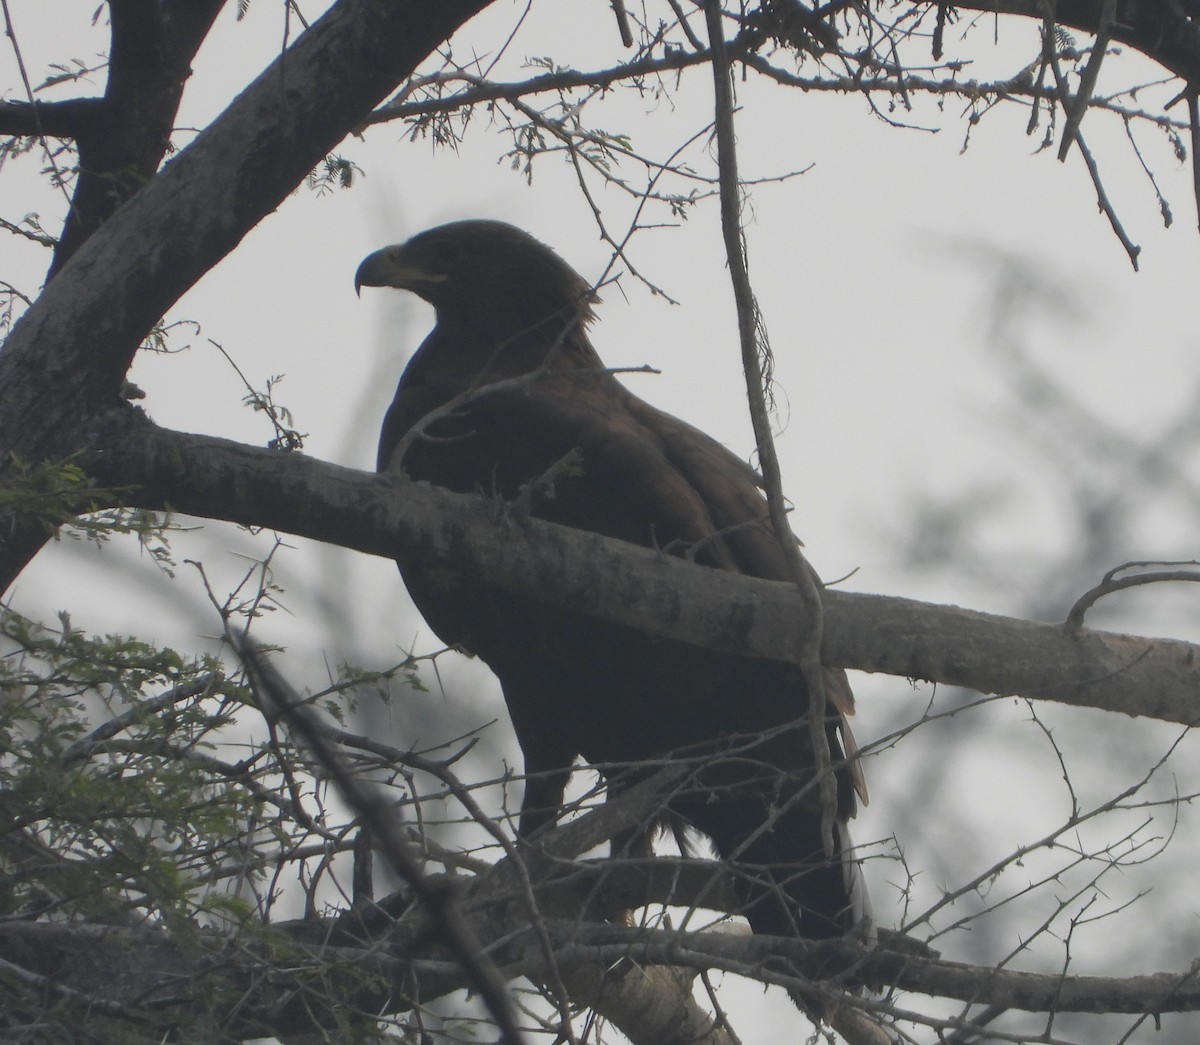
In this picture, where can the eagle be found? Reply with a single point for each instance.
(506, 397)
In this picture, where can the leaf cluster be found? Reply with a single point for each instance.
(61, 499)
(132, 821)
(105, 822)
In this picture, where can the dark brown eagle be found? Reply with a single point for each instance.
(506, 387)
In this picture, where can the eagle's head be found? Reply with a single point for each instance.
(485, 275)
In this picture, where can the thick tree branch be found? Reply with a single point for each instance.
(1161, 30)
(144, 967)
(655, 593)
(52, 119)
(1032, 992)
(122, 140)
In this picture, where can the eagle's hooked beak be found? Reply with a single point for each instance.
(371, 273)
(390, 267)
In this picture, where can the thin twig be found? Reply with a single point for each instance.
(873, 78)
(618, 7)
(59, 178)
(1102, 200)
(440, 770)
(853, 1025)
(85, 746)
(50, 985)
(752, 337)
(376, 813)
(1164, 206)
(1087, 80)
(970, 1033)
(1194, 131)
(693, 39)
(1112, 583)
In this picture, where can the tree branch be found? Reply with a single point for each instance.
(1161, 31)
(53, 119)
(647, 590)
(381, 818)
(1032, 992)
(122, 140)
(144, 970)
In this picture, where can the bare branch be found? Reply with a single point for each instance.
(1087, 82)
(659, 594)
(1112, 583)
(162, 974)
(441, 903)
(49, 119)
(756, 365)
(1194, 131)
(1102, 200)
(1164, 32)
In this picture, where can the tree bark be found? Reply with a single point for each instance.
(122, 139)
(126, 968)
(652, 592)
(1161, 30)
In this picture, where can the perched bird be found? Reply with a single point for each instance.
(507, 390)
